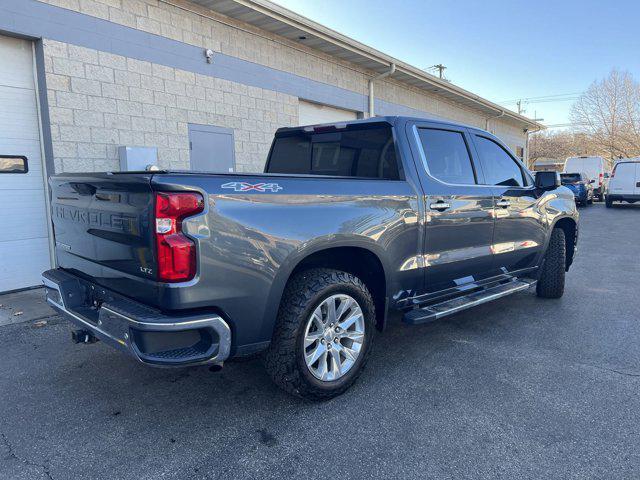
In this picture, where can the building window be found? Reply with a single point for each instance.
(13, 164)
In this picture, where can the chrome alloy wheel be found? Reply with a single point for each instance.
(333, 337)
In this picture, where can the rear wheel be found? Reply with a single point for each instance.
(323, 334)
(608, 203)
(551, 280)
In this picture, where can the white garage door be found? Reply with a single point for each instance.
(313, 113)
(24, 245)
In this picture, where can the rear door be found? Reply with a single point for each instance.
(519, 234)
(459, 209)
(624, 179)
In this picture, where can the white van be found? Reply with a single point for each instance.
(624, 184)
(594, 167)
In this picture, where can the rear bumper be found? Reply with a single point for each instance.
(580, 196)
(147, 334)
(621, 198)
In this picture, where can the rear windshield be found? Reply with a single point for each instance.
(568, 178)
(365, 151)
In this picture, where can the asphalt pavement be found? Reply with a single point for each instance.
(519, 388)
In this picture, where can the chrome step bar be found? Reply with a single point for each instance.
(433, 312)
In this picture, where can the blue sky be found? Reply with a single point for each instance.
(501, 50)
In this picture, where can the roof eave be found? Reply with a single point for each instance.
(366, 54)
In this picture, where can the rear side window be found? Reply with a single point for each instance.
(498, 166)
(359, 151)
(447, 156)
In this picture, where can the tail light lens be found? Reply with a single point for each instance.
(176, 252)
(600, 177)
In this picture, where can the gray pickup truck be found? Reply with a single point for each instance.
(304, 263)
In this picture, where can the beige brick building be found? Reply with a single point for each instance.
(186, 76)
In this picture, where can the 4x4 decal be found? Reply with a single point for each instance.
(248, 187)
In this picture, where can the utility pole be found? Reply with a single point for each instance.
(441, 68)
(519, 104)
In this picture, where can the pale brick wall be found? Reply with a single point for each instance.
(150, 104)
(98, 101)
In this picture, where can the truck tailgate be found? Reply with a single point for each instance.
(103, 226)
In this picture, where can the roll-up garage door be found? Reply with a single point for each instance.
(24, 243)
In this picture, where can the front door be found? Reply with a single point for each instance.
(520, 229)
(458, 208)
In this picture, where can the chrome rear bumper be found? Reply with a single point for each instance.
(150, 336)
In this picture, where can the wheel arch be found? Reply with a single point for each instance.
(570, 228)
(363, 261)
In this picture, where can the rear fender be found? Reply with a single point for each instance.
(296, 257)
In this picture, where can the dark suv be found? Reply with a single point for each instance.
(580, 185)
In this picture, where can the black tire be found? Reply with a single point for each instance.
(608, 203)
(284, 359)
(551, 280)
(590, 202)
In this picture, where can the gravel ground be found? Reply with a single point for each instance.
(521, 388)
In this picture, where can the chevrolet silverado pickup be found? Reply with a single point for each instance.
(303, 263)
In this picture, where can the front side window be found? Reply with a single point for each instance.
(359, 151)
(498, 166)
(447, 156)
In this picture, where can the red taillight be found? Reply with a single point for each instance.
(600, 179)
(176, 252)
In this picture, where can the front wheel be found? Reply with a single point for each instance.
(323, 334)
(608, 203)
(551, 280)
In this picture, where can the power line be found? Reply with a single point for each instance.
(558, 125)
(543, 97)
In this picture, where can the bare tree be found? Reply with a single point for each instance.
(608, 114)
(560, 145)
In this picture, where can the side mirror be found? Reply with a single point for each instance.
(547, 180)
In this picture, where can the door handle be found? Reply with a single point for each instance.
(503, 203)
(440, 206)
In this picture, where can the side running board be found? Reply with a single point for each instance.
(454, 305)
